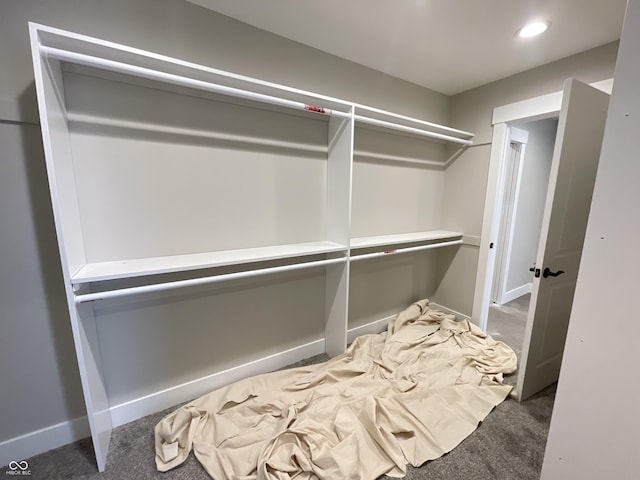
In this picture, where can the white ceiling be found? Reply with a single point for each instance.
(447, 45)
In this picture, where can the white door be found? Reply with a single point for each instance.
(573, 171)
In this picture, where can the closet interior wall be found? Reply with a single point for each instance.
(398, 183)
(462, 210)
(179, 173)
(281, 214)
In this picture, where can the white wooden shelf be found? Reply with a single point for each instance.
(400, 238)
(148, 154)
(94, 272)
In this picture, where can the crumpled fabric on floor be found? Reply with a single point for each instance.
(407, 395)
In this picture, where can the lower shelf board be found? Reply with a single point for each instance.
(100, 271)
(400, 238)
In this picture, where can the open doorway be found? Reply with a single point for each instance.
(581, 110)
(582, 113)
(527, 169)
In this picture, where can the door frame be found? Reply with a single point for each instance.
(536, 108)
(508, 210)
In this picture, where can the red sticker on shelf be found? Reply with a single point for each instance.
(315, 108)
(389, 251)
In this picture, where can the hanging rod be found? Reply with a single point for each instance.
(160, 287)
(417, 131)
(406, 250)
(415, 120)
(399, 158)
(171, 78)
(171, 130)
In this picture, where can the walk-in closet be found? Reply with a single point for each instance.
(214, 226)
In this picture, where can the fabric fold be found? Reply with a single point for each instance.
(405, 396)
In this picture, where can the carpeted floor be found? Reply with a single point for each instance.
(508, 445)
(507, 322)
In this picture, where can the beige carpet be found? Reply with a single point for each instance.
(402, 397)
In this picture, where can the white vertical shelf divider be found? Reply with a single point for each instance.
(55, 135)
(51, 48)
(338, 230)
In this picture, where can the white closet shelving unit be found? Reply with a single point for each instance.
(165, 175)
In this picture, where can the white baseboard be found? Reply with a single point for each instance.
(40, 441)
(154, 402)
(25, 446)
(516, 293)
(376, 326)
(459, 316)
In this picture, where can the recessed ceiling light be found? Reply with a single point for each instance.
(533, 29)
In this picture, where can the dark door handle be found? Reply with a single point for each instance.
(548, 273)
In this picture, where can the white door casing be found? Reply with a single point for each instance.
(535, 108)
(573, 171)
(513, 177)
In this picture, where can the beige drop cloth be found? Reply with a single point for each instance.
(408, 395)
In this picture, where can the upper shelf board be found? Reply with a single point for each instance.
(79, 49)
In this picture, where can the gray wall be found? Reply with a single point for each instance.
(595, 422)
(530, 204)
(465, 180)
(189, 32)
(40, 380)
(39, 375)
